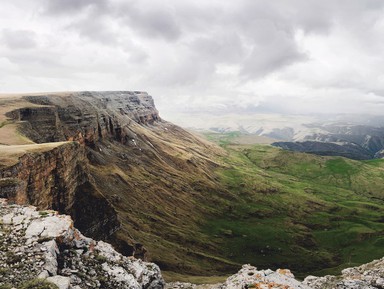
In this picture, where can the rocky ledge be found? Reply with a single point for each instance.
(367, 276)
(45, 245)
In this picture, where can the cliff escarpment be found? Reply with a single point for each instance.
(55, 177)
(85, 117)
(120, 171)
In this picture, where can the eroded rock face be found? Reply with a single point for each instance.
(137, 163)
(59, 179)
(43, 177)
(86, 116)
(46, 245)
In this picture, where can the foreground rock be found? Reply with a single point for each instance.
(46, 245)
(367, 276)
(250, 277)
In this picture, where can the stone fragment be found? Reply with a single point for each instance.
(60, 281)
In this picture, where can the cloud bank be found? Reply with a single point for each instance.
(296, 56)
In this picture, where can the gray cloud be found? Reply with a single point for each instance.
(150, 20)
(18, 39)
(220, 47)
(73, 6)
(94, 28)
(272, 54)
(295, 54)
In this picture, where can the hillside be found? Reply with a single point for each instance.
(118, 169)
(310, 213)
(160, 193)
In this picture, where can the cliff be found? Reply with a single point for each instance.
(108, 160)
(59, 179)
(84, 116)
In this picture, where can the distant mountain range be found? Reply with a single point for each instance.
(352, 141)
(354, 137)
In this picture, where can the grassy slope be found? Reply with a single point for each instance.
(310, 213)
(165, 191)
(9, 134)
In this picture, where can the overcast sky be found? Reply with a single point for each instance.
(198, 55)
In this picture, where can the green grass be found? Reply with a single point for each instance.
(170, 276)
(313, 214)
(223, 139)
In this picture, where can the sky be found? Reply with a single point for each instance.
(193, 56)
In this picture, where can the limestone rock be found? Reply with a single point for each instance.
(367, 276)
(60, 281)
(48, 246)
(250, 277)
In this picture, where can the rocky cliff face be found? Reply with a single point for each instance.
(46, 245)
(85, 117)
(123, 174)
(59, 179)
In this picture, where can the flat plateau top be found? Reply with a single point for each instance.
(9, 154)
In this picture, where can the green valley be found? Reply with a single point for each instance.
(310, 213)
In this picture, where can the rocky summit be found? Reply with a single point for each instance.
(44, 245)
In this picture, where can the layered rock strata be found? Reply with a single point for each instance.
(59, 179)
(85, 116)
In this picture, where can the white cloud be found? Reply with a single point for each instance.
(297, 55)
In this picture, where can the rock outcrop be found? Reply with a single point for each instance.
(367, 276)
(59, 179)
(42, 244)
(250, 277)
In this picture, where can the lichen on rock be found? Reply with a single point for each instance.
(46, 245)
